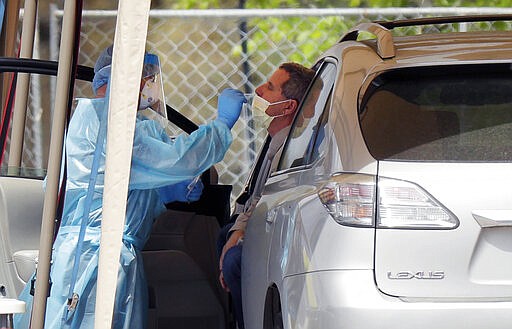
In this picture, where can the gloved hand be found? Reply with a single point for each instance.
(229, 106)
(181, 192)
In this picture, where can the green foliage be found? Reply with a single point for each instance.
(216, 4)
(315, 34)
(472, 3)
(311, 35)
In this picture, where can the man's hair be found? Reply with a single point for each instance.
(297, 84)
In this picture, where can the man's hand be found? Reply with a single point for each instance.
(235, 238)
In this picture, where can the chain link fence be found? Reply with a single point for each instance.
(204, 51)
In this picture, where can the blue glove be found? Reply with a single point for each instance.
(181, 192)
(229, 106)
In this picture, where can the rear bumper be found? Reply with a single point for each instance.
(349, 299)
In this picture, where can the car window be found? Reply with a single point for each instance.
(306, 139)
(34, 156)
(450, 113)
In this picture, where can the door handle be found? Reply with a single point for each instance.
(493, 218)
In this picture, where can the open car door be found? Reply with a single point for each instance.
(184, 237)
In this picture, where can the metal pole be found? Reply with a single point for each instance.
(54, 47)
(243, 36)
(35, 113)
(8, 39)
(54, 164)
(247, 88)
(22, 85)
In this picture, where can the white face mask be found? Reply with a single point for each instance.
(261, 104)
(149, 94)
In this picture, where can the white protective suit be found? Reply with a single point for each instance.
(157, 161)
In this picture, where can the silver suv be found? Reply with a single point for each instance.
(392, 207)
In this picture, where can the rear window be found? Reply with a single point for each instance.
(443, 113)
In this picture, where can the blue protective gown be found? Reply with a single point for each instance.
(157, 161)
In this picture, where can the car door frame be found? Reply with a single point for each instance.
(263, 270)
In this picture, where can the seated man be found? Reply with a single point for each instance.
(279, 98)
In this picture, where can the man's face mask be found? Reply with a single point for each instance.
(261, 104)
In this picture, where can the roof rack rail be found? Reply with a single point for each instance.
(381, 29)
(385, 46)
(444, 20)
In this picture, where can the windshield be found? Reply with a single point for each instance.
(443, 113)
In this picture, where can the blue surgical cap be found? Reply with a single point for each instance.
(102, 69)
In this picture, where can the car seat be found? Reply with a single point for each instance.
(181, 265)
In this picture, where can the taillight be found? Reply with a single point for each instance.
(406, 205)
(350, 200)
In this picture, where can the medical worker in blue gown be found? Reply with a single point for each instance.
(161, 171)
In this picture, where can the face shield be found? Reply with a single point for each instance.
(152, 100)
(151, 87)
